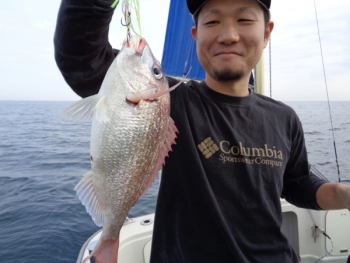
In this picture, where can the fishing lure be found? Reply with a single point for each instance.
(129, 5)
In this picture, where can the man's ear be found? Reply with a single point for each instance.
(268, 31)
(194, 32)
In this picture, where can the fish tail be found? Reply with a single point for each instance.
(106, 251)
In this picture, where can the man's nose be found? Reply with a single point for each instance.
(228, 35)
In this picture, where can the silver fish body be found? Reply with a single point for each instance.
(129, 140)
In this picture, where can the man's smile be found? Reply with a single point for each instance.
(227, 54)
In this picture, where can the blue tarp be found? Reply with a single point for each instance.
(179, 54)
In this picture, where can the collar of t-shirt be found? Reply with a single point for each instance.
(226, 99)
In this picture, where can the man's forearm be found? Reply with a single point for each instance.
(331, 196)
(82, 51)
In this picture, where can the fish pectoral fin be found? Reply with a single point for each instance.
(86, 193)
(101, 109)
(81, 110)
(149, 94)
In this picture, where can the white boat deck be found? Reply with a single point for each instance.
(136, 237)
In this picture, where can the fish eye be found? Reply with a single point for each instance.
(157, 72)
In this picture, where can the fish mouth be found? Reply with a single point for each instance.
(141, 46)
(138, 43)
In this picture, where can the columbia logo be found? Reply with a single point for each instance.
(208, 147)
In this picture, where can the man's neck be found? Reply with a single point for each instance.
(237, 88)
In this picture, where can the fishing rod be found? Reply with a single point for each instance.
(329, 106)
(270, 64)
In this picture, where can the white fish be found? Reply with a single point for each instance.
(131, 135)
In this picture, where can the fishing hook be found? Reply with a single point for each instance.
(126, 24)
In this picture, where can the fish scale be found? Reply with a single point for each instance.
(131, 134)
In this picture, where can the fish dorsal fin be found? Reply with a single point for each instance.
(165, 148)
(86, 193)
(84, 110)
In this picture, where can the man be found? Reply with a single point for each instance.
(237, 152)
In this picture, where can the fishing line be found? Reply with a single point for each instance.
(329, 106)
(134, 5)
(188, 59)
(127, 19)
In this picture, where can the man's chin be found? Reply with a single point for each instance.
(228, 75)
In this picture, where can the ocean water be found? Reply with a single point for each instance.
(43, 158)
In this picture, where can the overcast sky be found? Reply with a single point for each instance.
(28, 70)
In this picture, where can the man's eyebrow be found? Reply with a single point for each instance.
(243, 8)
(238, 10)
(214, 11)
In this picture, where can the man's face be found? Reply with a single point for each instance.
(230, 36)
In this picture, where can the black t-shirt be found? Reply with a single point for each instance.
(219, 199)
(233, 159)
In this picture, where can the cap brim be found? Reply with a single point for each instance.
(194, 6)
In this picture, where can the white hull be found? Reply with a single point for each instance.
(136, 239)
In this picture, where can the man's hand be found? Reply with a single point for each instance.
(333, 196)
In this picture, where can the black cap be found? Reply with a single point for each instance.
(194, 5)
